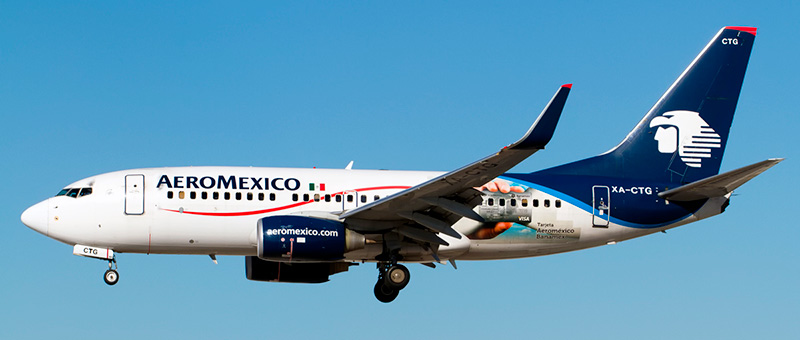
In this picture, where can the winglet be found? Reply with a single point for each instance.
(542, 130)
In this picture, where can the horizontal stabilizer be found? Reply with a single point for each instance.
(719, 185)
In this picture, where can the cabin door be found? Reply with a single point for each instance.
(134, 194)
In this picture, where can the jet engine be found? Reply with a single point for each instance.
(290, 238)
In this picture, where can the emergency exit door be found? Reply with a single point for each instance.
(134, 194)
(349, 200)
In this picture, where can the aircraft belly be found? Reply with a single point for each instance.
(188, 234)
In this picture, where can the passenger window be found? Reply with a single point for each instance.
(204, 195)
(376, 198)
(260, 196)
(327, 198)
(85, 191)
(215, 195)
(295, 197)
(272, 197)
(238, 196)
(181, 194)
(170, 194)
(546, 203)
(193, 195)
(502, 202)
(558, 203)
(227, 196)
(73, 192)
(349, 198)
(490, 202)
(524, 202)
(363, 198)
(535, 203)
(305, 197)
(339, 198)
(316, 197)
(249, 196)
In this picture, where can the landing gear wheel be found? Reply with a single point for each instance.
(397, 277)
(111, 277)
(385, 294)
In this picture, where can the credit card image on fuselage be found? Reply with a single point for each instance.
(507, 207)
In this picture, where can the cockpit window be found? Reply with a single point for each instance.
(75, 192)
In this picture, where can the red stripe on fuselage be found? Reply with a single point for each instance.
(264, 211)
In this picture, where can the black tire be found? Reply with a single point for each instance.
(385, 294)
(397, 277)
(111, 277)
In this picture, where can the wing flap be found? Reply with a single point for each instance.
(455, 207)
(431, 222)
(421, 235)
(719, 185)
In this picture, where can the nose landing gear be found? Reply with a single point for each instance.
(111, 277)
(392, 278)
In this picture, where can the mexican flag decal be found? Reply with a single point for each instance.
(316, 187)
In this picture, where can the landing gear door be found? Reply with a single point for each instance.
(601, 206)
(134, 194)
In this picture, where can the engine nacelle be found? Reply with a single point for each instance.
(290, 238)
(261, 270)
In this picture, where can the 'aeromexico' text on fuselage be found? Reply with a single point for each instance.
(228, 182)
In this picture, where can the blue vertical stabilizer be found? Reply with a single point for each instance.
(683, 137)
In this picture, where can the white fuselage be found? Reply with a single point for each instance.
(215, 210)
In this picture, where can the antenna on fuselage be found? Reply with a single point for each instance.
(349, 166)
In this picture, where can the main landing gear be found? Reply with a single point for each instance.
(111, 277)
(392, 278)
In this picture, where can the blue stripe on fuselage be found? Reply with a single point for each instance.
(633, 203)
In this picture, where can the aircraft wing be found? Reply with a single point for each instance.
(719, 185)
(434, 206)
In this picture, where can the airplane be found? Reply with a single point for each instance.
(305, 225)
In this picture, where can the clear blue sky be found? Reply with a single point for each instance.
(92, 87)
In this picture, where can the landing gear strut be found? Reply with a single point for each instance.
(392, 277)
(111, 277)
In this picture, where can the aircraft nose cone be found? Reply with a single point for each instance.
(36, 217)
